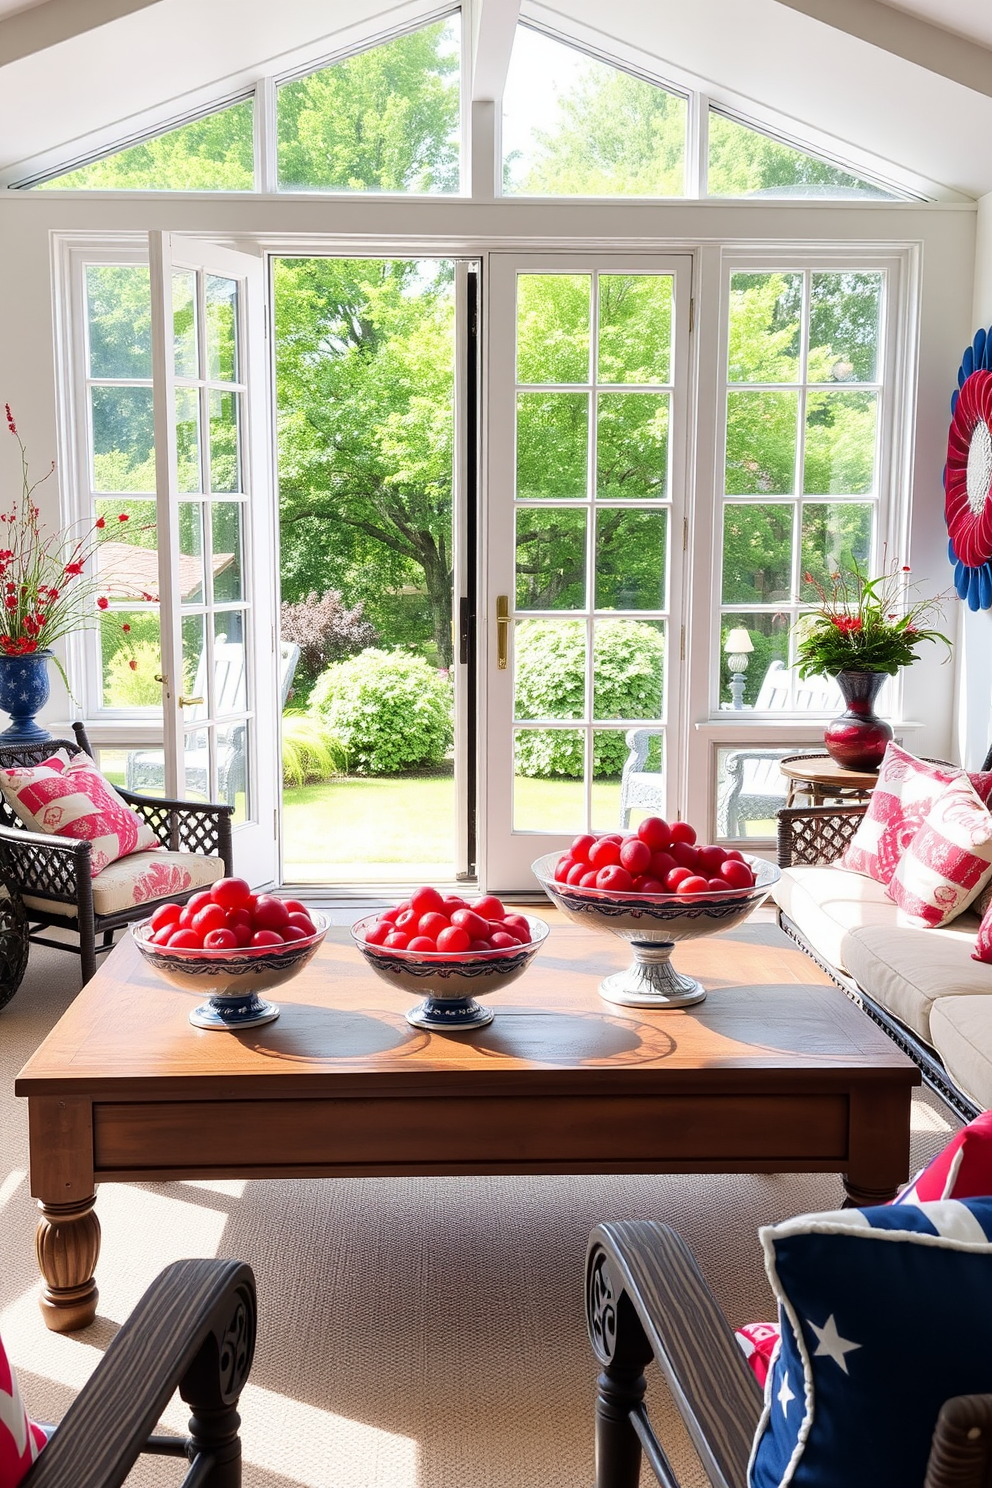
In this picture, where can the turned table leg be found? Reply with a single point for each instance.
(878, 1156)
(67, 1242)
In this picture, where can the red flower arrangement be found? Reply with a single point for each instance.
(864, 624)
(47, 585)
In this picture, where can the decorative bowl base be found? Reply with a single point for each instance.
(449, 1013)
(651, 980)
(232, 1013)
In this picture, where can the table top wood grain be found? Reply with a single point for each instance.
(342, 1031)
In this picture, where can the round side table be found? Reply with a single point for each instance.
(822, 780)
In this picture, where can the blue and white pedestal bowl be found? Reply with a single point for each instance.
(652, 924)
(233, 980)
(448, 984)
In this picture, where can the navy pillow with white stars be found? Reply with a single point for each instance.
(885, 1314)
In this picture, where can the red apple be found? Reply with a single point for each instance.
(655, 832)
(231, 893)
(682, 832)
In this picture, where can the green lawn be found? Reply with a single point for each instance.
(403, 826)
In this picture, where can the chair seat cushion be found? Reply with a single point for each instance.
(961, 1032)
(140, 880)
(827, 903)
(20, 1439)
(74, 800)
(853, 1395)
(908, 971)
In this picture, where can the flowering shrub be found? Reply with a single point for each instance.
(45, 588)
(860, 625)
(325, 631)
(390, 710)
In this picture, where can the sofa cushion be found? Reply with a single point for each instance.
(140, 879)
(907, 788)
(827, 902)
(906, 970)
(948, 862)
(961, 1032)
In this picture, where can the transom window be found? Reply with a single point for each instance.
(389, 117)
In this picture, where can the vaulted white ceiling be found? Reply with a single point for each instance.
(906, 81)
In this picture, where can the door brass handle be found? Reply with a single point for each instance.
(502, 631)
(185, 702)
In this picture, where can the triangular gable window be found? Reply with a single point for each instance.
(214, 153)
(748, 162)
(386, 119)
(574, 126)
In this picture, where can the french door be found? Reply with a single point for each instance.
(584, 544)
(214, 520)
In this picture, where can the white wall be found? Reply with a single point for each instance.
(974, 698)
(945, 235)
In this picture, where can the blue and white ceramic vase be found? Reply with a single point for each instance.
(24, 689)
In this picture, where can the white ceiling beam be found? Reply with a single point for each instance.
(963, 61)
(45, 25)
(494, 22)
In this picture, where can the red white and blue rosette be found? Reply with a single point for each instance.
(968, 476)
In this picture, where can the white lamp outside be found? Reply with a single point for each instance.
(738, 647)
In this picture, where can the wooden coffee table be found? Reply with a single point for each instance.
(777, 1071)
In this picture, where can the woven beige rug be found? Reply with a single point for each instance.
(414, 1333)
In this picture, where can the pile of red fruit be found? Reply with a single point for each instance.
(429, 921)
(228, 916)
(656, 859)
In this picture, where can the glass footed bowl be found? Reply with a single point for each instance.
(652, 924)
(449, 982)
(231, 980)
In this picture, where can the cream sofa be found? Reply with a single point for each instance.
(922, 985)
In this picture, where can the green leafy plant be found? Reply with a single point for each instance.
(311, 751)
(628, 663)
(391, 711)
(861, 624)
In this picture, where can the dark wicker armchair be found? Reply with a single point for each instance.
(647, 1299)
(193, 1330)
(48, 881)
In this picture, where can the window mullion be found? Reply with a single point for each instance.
(266, 137)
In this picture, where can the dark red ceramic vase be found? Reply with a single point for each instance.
(857, 739)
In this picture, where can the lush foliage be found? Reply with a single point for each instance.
(390, 710)
(628, 667)
(214, 153)
(324, 631)
(311, 751)
(383, 120)
(862, 625)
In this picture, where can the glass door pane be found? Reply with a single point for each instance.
(586, 399)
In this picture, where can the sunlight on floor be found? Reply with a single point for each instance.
(926, 1118)
(290, 1438)
(11, 1184)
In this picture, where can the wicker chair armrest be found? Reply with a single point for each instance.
(43, 863)
(187, 826)
(194, 1329)
(816, 834)
(646, 1297)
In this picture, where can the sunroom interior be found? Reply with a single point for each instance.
(551, 356)
(766, 154)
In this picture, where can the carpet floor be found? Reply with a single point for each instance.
(414, 1333)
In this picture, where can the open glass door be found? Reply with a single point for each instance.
(584, 544)
(214, 516)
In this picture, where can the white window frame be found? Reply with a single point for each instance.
(712, 726)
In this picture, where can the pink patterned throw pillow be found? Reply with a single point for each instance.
(907, 788)
(949, 860)
(74, 800)
(20, 1439)
(983, 940)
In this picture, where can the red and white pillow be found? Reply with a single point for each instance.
(961, 1170)
(983, 940)
(20, 1439)
(948, 861)
(74, 800)
(899, 804)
